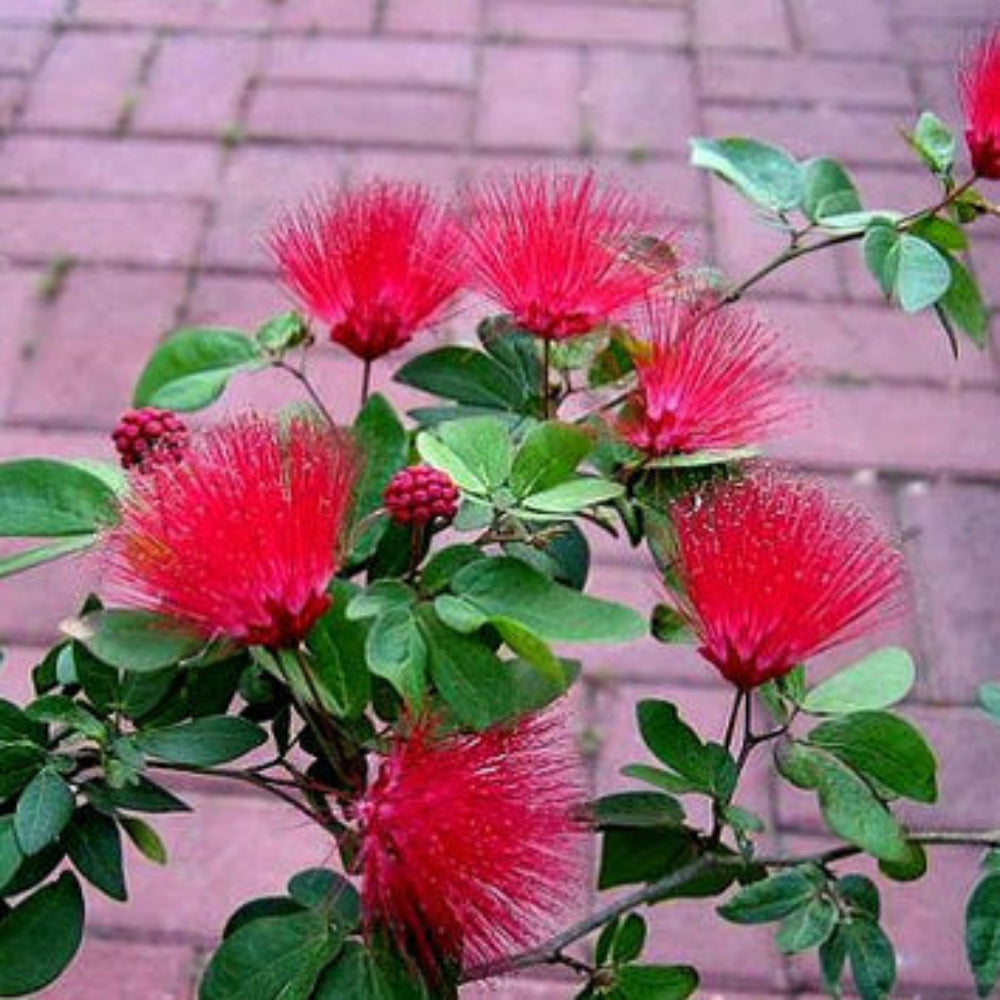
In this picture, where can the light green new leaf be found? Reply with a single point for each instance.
(549, 455)
(879, 680)
(763, 173)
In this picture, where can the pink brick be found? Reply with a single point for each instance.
(31, 11)
(244, 303)
(232, 848)
(196, 85)
(640, 101)
(259, 184)
(109, 230)
(87, 81)
(20, 49)
(948, 529)
(18, 306)
(529, 98)
(441, 171)
(365, 116)
(866, 342)
(759, 78)
(371, 60)
(326, 15)
(852, 136)
(201, 14)
(517, 988)
(591, 23)
(19, 661)
(903, 429)
(430, 17)
(938, 90)
(852, 27)
(96, 338)
(109, 166)
(934, 41)
(12, 94)
(750, 24)
(982, 11)
(120, 970)
(676, 188)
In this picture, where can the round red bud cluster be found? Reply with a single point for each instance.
(420, 494)
(148, 436)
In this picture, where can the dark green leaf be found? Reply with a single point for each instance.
(860, 894)
(657, 982)
(144, 796)
(879, 680)
(669, 626)
(872, 958)
(765, 174)
(62, 710)
(337, 646)
(396, 650)
(146, 840)
(884, 747)
(322, 887)
(16, 727)
(43, 810)
(629, 939)
(42, 498)
(190, 369)
(549, 455)
(674, 742)
(94, 845)
(357, 974)
(438, 571)
(807, 927)
(666, 780)
(943, 233)
(40, 937)
(381, 596)
(909, 870)
(265, 906)
(134, 640)
(638, 809)
(534, 690)
(510, 588)
(982, 933)
(464, 375)
(10, 852)
(772, 898)
(635, 854)
(19, 763)
(204, 742)
(963, 304)
(273, 958)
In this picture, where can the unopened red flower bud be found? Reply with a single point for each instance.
(149, 436)
(421, 494)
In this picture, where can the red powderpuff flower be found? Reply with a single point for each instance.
(979, 81)
(774, 569)
(471, 845)
(242, 538)
(377, 263)
(707, 378)
(560, 254)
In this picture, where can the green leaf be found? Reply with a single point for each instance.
(666, 780)
(512, 589)
(19, 763)
(60, 709)
(860, 894)
(879, 680)
(146, 840)
(10, 852)
(638, 809)
(909, 870)
(255, 909)
(637, 854)
(698, 459)
(357, 974)
(763, 173)
(943, 233)
(41, 554)
(273, 958)
(40, 937)
(772, 898)
(396, 650)
(215, 739)
(629, 939)
(190, 369)
(908, 268)
(43, 810)
(935, 143)
(872, 958)
(436, 453)
(807, 927)
(884, 747)
(382, 441)
(483, 445)
(534, 690)
(94, 845)
(16, 726)
(828, 190)
(982, 933)
(283, 332)
(337, 645)
(464, 375)
(380, 597)
(989, 698)
(42, 498)
(473, 681)
(669, 626)
(144, 796)
(460, 615)
(573, 495)
(963, 304)
(438, 571)
(548, 456)
(657, 982)
(139, 641)
(329, 889)
(674, 742)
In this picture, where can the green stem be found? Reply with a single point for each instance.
(303, 379)
(546, 368)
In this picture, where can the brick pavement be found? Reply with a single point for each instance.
(147, 143)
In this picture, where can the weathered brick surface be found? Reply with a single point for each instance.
(199, 14)
(752, 24)
(20, 49)
(851, 27)
(428, 17)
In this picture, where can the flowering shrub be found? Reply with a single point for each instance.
(374, 611)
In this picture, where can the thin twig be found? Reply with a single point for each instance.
(299, 375)
(366, 381)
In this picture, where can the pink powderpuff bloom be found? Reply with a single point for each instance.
(773, 569)
(377, 263)
(979, 81)
(708, 378)
(562, 255)
(241, 538)
(472, 847)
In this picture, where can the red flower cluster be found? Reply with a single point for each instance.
(980, 91)
(377, 263)
(773, 569)
(707, 378)
(242, 538)
(148, 436)
(560, 254)
(420, 494)
(471, 849)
